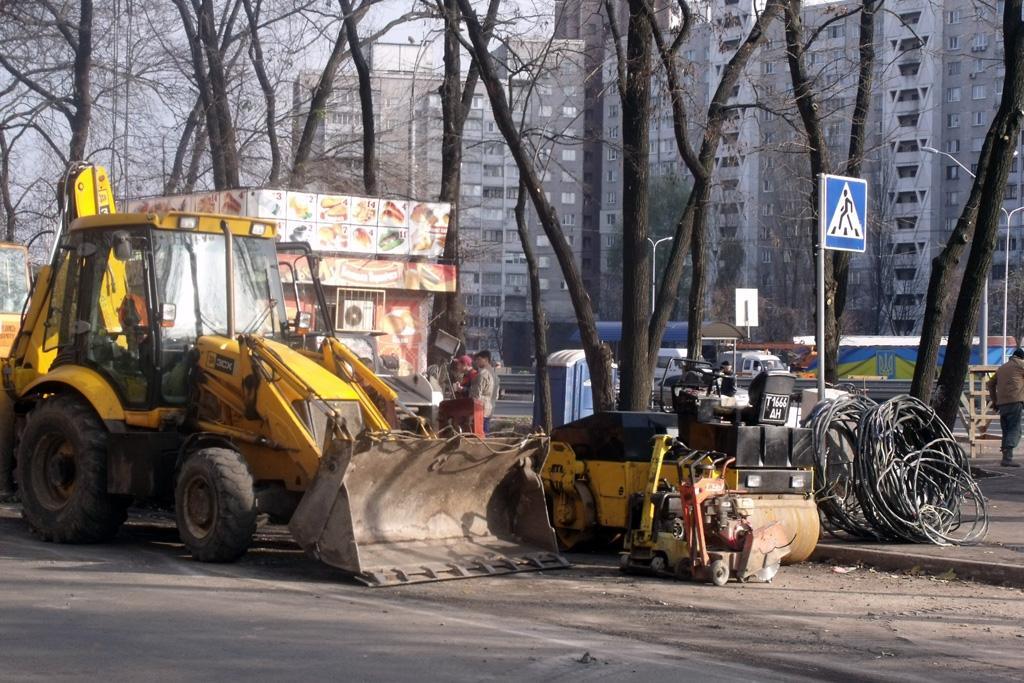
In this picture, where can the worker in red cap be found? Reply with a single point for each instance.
(464, 373)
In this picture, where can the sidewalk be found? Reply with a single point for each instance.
(998, 559)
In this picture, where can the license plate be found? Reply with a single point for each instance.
(774, 408)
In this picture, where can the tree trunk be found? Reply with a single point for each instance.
(540, 322)
(635, 383)
(700, 165)
(199, 72)
(817, 151)
(456, 100)
(317, 110)
(598, 354)
(174, 178)
(218, 85)
(449, 313)
(198, 149)
(10, 218)
(994, 167)
(365, 99)
(269, 97)
(81, 117)
(854, 162)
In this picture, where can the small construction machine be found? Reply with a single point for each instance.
(598, 463)
(156, 362)
(700, 529)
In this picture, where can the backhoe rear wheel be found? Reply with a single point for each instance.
(215, 505)
(62, 474)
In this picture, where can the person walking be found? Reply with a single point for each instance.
(1006, 391)
(484, 386)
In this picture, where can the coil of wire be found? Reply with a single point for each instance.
(913, 480)
(833, 425)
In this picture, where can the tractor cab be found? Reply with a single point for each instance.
(132, 293)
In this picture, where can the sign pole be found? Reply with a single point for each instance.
(842, 226)
(820, 287)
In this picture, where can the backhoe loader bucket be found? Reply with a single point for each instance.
(397, 509)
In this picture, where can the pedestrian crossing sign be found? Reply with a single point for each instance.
(843, 213)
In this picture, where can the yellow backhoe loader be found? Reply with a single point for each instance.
(156, 362)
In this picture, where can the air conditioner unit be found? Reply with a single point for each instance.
(358, 315)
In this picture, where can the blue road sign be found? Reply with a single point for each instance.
(844, 213)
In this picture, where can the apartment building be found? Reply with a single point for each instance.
(937, 84)
(545, 82)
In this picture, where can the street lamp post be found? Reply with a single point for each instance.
(654, 269)
(984, 300)
(1006, 277)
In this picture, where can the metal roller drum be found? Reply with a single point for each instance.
(396, 509)
(799, 517)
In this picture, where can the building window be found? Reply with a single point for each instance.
(612, 175)
(953, 42)
(953, 16)
(836, 30)
(544, 110)
(613, 111)
(515, 279)
(953, 69)
(953, 94)
(490, 300)
(569, 218)
(568, 197)
(768, 67)
(952, 199)
(907, 146)
(952, 172)
(611, 198)
(979, 118)
(613, 154)
(978, 91)
(568, 110)
(766, 256)
(493, 235)
(543, 241)
(613, 132)
(952, 146)
(980, 42)
(906, 171)
(952, 120)
(767, 185)
(906, 223)
(492, 278)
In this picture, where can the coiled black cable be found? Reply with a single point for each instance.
(833, 425)
(913, 479)
(893, 471)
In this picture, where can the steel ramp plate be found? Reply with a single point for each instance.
(403, 509)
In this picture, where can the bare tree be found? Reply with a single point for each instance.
(74, 103)
(805, 90)
(269, 94)
(693, 219)
(456, 100)
(634, 69)
(598, 355)
(365, 98)
(993, 171)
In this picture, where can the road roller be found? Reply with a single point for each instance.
(598, 463)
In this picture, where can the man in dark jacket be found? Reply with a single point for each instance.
(1006, 390)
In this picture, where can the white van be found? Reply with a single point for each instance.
(757, 362)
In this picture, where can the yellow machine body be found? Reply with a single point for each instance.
(136, 318)
(598, 463)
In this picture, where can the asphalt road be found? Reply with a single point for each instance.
(139, 609)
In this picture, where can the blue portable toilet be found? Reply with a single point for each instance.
(571, 396)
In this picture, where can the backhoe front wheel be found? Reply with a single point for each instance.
(62, 474)
(215, 505)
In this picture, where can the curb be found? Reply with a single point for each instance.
(996, 573)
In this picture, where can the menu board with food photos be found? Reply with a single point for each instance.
(428, 228)
(363, 211)
(232, 202)
(332, 208)
(266, 204)
(327, 222)
(301, 206)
